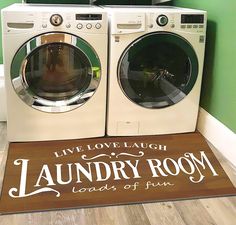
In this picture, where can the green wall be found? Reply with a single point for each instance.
(59, 1)
(107, 2)
(219, 80)
(4, 3)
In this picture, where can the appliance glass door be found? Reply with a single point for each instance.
(158, 70)
(55, 72)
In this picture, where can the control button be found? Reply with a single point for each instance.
(162, 20)
(56, 20)
(68, 25)
(183, 26)
(98, 25)
(89, 26)
(79, 25)
(117, 38)
(44, 25)
(202, 39)
(195, 26)
(189, 26)
(201, 26)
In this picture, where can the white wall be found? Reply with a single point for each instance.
(2, 96)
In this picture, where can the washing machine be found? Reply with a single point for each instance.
(55, 60)
(155, 69)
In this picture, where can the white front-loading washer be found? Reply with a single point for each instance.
(155, 69)
(55, 60)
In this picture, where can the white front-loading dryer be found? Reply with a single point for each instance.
(155, 69)
(55, 60)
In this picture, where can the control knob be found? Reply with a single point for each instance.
(162, 20)
(56, 20)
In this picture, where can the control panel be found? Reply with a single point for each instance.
(169, 21)
(85, 22)
(48, 19)
(88, 21)
(192, 21)
(134, 22)
(67, 22)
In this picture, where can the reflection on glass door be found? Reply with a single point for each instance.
(55, 72)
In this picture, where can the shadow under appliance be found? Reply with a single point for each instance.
(156, 62)
(55, 66)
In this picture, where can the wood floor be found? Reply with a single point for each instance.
(212, 211)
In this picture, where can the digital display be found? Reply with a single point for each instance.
(88, 16)
(197, 18)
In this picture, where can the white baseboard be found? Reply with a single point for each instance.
(218, 134)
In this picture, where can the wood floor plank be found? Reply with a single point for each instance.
(163, 213)
(194, 213)
(3, 136)
(114, 215)
(233, 201)
(65, 217)
(221, 210)
(14, 219)
(3, 159)
(120, 215)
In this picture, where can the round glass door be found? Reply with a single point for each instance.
(158, 70)
(55, 72)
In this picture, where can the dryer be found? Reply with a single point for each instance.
(155, 69)
(55, 60)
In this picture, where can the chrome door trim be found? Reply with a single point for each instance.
(21, 87)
